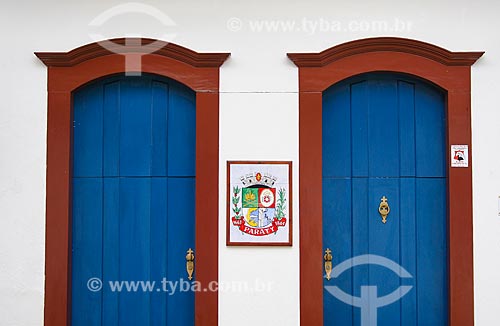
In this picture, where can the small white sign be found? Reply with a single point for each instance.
(459, 156)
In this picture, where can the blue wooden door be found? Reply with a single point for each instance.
(133, 191)
(384, 135)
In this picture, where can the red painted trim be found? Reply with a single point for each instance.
(198, 79)
(385, 44)
(131, 45)
(448, 70)
(207, 181)
(67, 72)
(310, 203)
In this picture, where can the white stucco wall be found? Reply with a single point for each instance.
(257, 82)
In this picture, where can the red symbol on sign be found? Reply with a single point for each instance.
(459, 155)
(267, 197)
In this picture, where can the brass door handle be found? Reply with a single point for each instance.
(328, 263)
(190, 263)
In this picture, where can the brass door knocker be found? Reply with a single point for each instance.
(384, 209)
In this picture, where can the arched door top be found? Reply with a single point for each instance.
(390, 54)
(199, 71)
(385, 44)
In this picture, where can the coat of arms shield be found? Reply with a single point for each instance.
(259, 203)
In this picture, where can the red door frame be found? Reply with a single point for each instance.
(67, 72)
(448, 70)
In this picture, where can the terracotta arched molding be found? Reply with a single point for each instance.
(448, 70)
(67, 72)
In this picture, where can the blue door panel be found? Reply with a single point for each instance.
(430, 126)
(180, 212)
(111, 249)
(134, 258)
(384, 135)
(406, 103)
(337, 233)
(337, 148)
(86, 249)
(87, 132)
(360, 224)
(135, 128)
(360, 245)
(159, 248)
(408, 248)
(133, 216)
(383, 129)
(160, 104)
(369, 237)
(181, 138)
(432, 270)
(360, 108)
(111, 129)
(384, 240)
